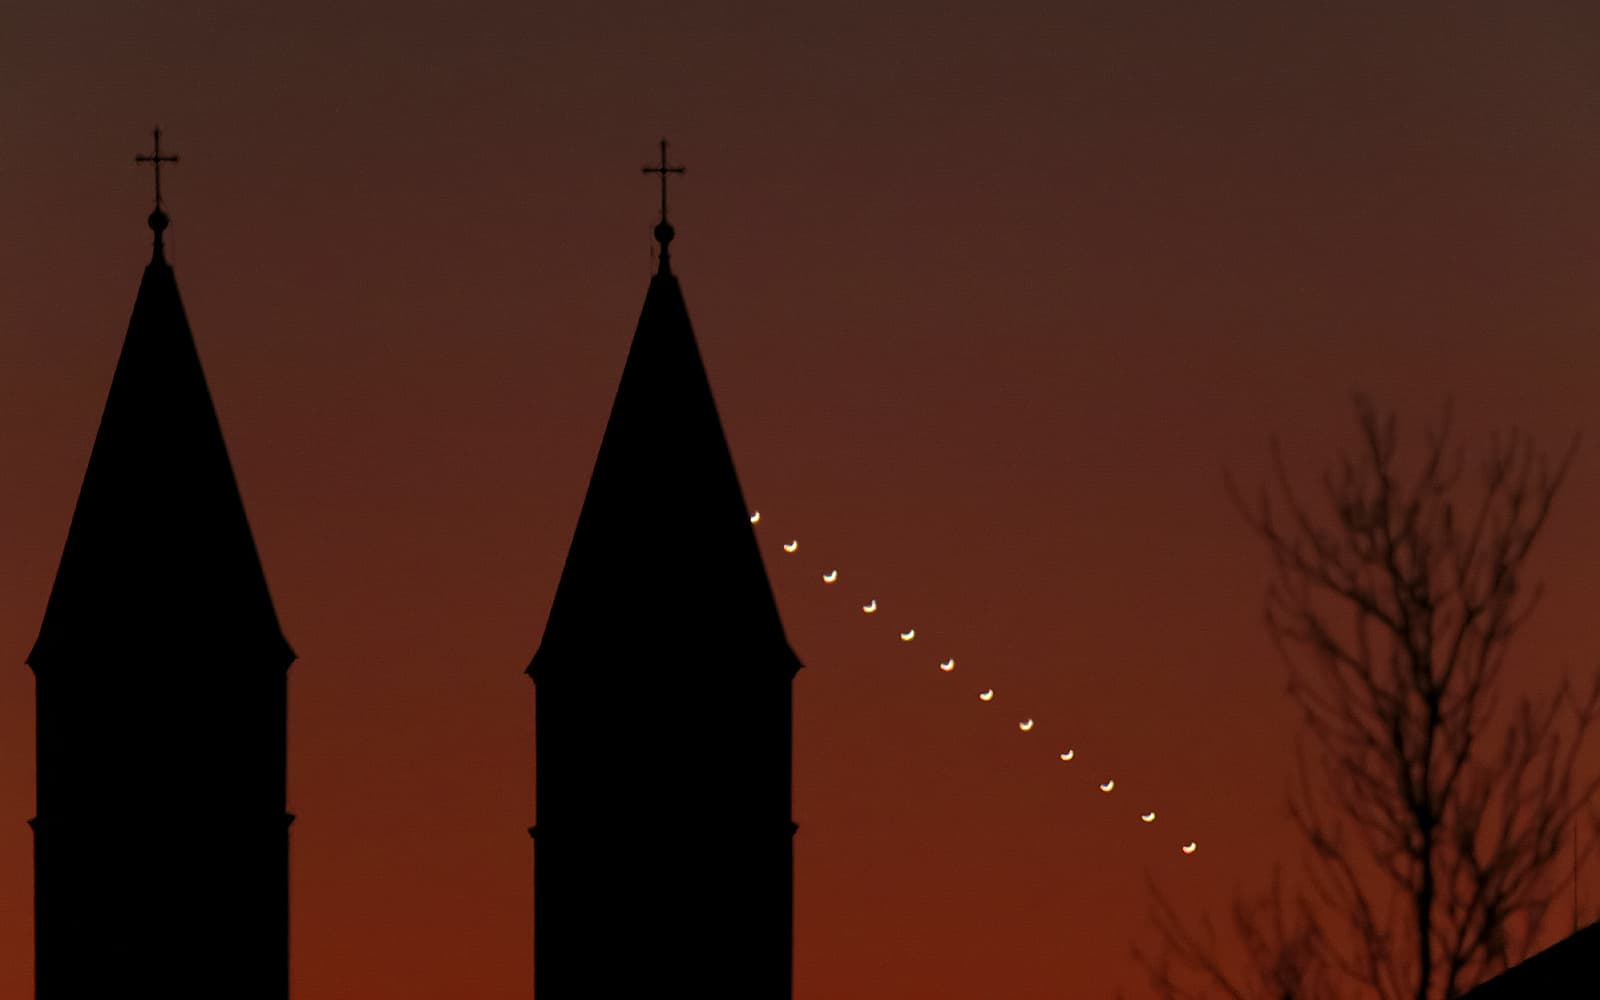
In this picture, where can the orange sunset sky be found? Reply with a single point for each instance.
(989, 295)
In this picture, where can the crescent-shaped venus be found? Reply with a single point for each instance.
(1068, 755)
(793, 546)
(987, 695)
(1025, 725)
(948, 665)
(870, 606)
(1189, 848)
(830, 576)
(1149, 817)
(908, 635)
(1109, 785)
(755, 517)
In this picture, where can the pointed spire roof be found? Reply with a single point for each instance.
(664, 556)
(159, 559)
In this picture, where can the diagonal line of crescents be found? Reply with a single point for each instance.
(987, 696)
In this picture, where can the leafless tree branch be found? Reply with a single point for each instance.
(1434, 819)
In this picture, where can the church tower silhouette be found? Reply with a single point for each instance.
(161, 844)
(664, 846)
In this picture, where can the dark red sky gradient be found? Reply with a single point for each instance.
(988, 300)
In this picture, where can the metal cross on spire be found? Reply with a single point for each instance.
(664, 230)
(663, 170)
(156, 160)
(158, 218)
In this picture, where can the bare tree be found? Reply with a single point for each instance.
(1279, 933)
(1436, 824)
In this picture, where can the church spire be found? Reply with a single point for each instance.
(664, 460)
(664, 634)
(159, 553)
(160, 839)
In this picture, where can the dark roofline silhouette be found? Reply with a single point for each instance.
(1563, 971)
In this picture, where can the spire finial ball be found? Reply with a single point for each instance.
(158, 221)
(664, 233)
